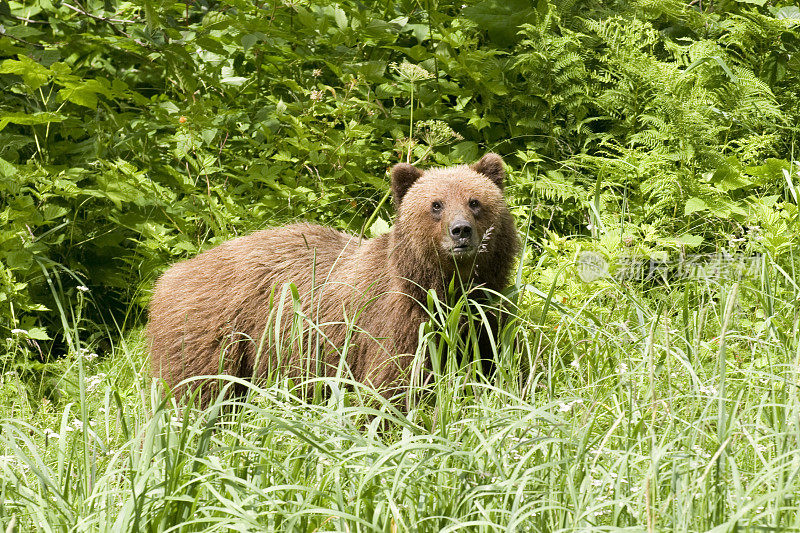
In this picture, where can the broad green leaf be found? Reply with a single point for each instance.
(233, 80)
(33, 74)
(25, 119)
(771, 171)
(501, 18)
(7, 170)
(788, 12)
(379, 227)
(693, 205)
(690, 240)
(372, 70)
(39, 334)
(18, 259)
(85, 93)
(250, 39)
(340, 17)
(421, 31)
(730, 176)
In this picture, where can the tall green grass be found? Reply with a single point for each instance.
(674, 410)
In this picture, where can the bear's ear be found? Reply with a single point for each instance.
(403, 177)
(491, 166)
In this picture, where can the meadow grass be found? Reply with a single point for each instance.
(673, 409)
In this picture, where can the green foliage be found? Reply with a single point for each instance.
(135, 134)
(618, 411)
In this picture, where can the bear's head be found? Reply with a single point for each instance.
(454, 218)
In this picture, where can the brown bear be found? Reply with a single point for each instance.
(231, 309)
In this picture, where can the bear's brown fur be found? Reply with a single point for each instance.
(219, 312)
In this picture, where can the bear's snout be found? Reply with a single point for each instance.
(461, 233)
(460, 230)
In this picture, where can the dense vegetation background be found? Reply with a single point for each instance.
(134, 134)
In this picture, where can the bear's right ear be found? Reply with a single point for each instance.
(403, 177)
(491, 166)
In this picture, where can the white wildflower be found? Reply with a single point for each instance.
(436, 132)
(566, 406)
(701, 452)
(92, 382)
(708, 390)
(410, 72)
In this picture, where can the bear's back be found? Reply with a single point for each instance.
(196, 301)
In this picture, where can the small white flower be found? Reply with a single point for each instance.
(93, 381)
(566, 406)
(701, 452)
(411, 72)
(436, 132)
(49, 433)
(708, 390)
(82, 288)
(20, 332)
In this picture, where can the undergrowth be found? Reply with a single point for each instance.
(675, 414)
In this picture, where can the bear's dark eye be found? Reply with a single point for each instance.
(474, 204)
(436, 207)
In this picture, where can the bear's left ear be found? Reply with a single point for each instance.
(403, 177)
(491, 166)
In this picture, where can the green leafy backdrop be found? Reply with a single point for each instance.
(133, 134)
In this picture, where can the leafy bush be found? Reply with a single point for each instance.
(132, 135)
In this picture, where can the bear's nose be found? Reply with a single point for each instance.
(460, 230)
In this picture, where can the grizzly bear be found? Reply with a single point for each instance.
(308, 300)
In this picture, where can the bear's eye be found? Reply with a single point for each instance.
(436, 207)
(474, 204)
